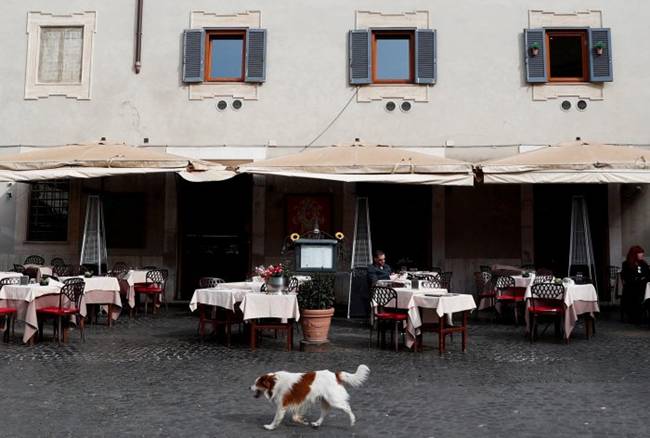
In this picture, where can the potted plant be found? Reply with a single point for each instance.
(534, 49)
(599, 47)
(273, 276)
(316, 301)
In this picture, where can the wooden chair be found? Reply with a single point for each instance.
(69, 305)
(546, 301)
(508, 293)
(8, 313)
(385, 312)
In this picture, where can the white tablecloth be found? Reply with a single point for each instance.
(445, 304)
(132, 277)
(260, 305)
(10, 274)
(220, 297)
(254, 286)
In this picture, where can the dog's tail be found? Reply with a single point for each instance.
(355, 379)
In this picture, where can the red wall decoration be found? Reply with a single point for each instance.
(304, 210)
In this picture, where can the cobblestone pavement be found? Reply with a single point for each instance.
(153, 377)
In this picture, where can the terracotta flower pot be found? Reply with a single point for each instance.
(316, 324)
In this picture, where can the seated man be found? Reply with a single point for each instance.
(378, 270)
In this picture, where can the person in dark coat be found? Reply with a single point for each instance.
(378, 270)
(635, 274)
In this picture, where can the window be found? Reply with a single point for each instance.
(567, 58)
(225, 55)
(392, 57)
(60, 54)
(48, 211)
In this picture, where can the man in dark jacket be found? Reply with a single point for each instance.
(378, 270)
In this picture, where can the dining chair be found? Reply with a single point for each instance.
(34, 260)
(384, 307)
(57, 261)
(546, 301)
(8, 313)
(154, 286)
(69, 305)
(508, 293)
(62, 270)
(210, 282)
(543, 279)
(18, 268)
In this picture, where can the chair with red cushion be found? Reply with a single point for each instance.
(386, 314)
(69, 306)
(546, 301)
(154, 287)
(508, 293)
(8, 314)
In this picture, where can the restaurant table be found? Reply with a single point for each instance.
(225, 297)
(520, 281)
(101, 290)
(4, 275)
(256, 306)
(444, 304)
(579, 299)
(40, 271)
(26, 300)
(132, 277)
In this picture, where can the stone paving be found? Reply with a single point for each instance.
(153, 377)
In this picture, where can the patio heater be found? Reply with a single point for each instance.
(358, 302)
(93, 247)
(581, 250)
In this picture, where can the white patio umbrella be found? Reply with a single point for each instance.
(574, 162)
(366, 163)
(103, 159)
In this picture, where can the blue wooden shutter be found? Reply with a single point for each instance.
(535, 65)
(359, 53)
(600, 66)
(256, 55)
(425, 56)
(193, 55)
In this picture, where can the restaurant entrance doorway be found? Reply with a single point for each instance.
(214, 231)
(552, 223)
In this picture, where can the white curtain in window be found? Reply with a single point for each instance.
(60, 54)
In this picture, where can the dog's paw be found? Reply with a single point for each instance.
(299, 420)
(315, 424)
(269, 427)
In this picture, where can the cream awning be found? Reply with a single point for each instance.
(366, 163)
(575, 162)
(103, 159)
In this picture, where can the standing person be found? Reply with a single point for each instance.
(378, 270)
(635, 274)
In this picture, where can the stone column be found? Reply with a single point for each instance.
(527, 225)
(258, 220)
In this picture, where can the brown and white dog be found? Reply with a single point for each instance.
(296, 391)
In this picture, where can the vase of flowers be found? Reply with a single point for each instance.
(273, 276)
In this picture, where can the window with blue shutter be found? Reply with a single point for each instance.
(359, 57)
(425, 56)
(256, 55)
(600, 54)
(193, 55)
(535, 55)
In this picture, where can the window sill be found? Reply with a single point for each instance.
(557, 90)
(235, 90)
(372, 92)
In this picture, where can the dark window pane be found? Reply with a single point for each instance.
(48, 211)
(566, 56)
(393, 58)
(226, 56)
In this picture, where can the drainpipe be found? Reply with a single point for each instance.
(138, 38)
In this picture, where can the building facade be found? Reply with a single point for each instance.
(234, 81)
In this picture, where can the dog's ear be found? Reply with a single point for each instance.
(267, 381)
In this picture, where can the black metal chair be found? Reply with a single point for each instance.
(9, 313)
(386, 314)
(120, 267)
(57, 261)
(69, 305)
(34, 260)
(210, 282)
(484, 289)
(445, 280)
(293, 285)
(543, 279)
(546, 300)
(18, 268)
(508, 293)
(154, 286)
(62, 271)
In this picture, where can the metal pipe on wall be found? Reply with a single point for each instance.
(138, 37)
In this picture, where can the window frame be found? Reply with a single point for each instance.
(410, 33)
(29, 237)
(584, 41)
(211, 34)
